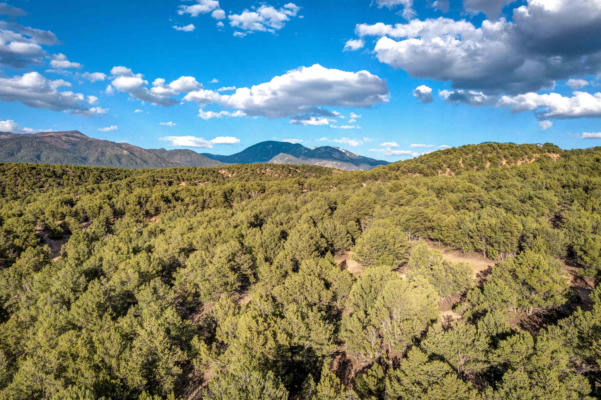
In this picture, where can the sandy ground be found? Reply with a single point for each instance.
(345, 260)
(477, 261)
(244, 299)
(448, 317)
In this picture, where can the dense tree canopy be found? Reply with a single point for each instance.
(227, 283)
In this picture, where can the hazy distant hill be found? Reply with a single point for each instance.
(186, 158)
(75, 148)
(289, 153)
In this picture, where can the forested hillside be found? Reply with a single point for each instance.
(301, 282)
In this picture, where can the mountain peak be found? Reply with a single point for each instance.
(62, 134)
(295, 153)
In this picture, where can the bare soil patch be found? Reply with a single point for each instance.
(449, 317)
(244, 299)
(480, 265)
(55, 244)
(345, 261)
(583, 286)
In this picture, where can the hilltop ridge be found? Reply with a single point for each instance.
(474, 157)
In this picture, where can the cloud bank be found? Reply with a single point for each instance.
(301, 94)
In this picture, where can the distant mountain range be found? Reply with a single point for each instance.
(290, 153)
(73, 147)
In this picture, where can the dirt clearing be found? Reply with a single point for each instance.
(476, 261)
(345, 261)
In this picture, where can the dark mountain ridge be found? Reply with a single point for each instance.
(272, 151)
(261, 152)
(75, 148)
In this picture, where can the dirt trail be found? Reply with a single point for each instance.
(476, 261)
(479, 265)
(449, 316)
(55, 245)
(345, 261)
(583, 286)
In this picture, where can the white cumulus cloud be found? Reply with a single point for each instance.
(34, 90)
(185, 28)
(218, 14)
(206, 115)
(545, 124)
(21, 46)
(194, 141)
(266, 18)
(225, 140)
(407, 5)
(94, 76)
(160, 93)
(345, 127)
(354, 44)
(200, 7)
(11, 126)
(301, 93)
(555, 105)
(353, 117)
(311, 121)
(60, 61)
(8, 126)
(424, 94)
(545, 41)
(109, 128)
(471, 97)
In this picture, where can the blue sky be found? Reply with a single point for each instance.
(416, 75)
